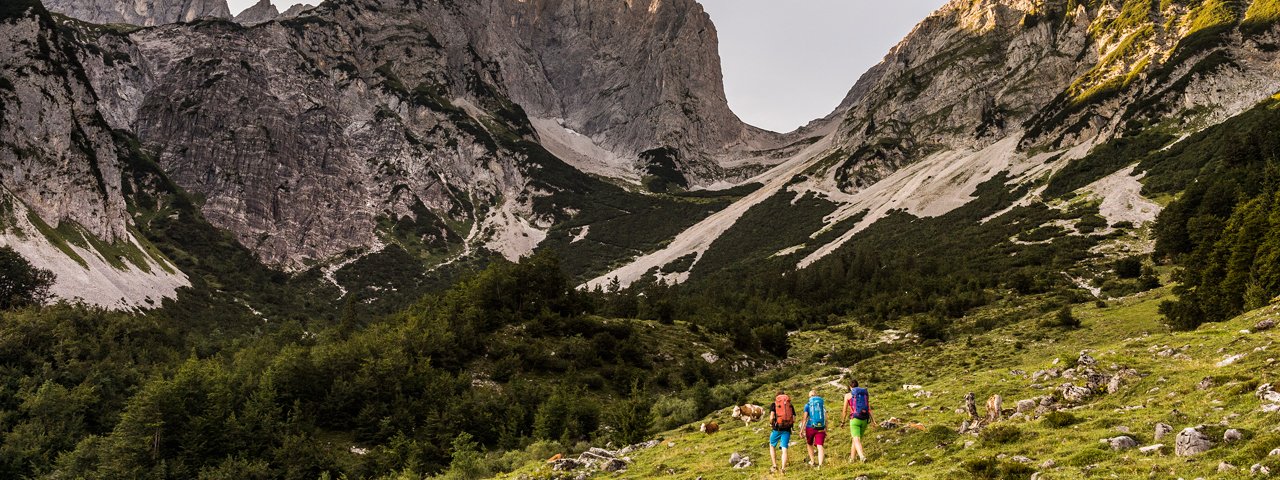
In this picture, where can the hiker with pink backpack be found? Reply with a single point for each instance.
(782, 416)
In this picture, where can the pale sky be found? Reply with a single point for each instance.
(787, 62)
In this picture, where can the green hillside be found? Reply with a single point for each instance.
(1125, 334)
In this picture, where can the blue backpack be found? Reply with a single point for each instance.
(817, 410)
(860, 404)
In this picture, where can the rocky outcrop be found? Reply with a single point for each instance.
(140, 12)
(61, 191)
(1192, 441)
(296, 10)
(633, 76)
(57, 155)
(260, 12)
(310, 138)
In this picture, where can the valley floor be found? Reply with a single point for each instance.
(1184, 379)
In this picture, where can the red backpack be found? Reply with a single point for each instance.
(784, 416)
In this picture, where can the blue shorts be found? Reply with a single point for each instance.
(780, 439)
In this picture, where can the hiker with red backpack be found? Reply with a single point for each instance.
(857, 413)
(782, 416)
(814, 418)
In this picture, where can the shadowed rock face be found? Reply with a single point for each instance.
(57, 155)
(140, 12)
(635, 75)
(303, 135)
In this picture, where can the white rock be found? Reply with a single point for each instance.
(1123, 442)
(1232, 435)
(1149, 449)
(1230, 359)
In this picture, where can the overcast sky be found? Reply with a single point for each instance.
(787, 62)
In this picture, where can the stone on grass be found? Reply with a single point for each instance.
(1028, 405)
(1192, 441)
(1163, 429)
(1230, 359)
(1259, 469)
(1267, 393)
(1225, 467)
(1232, 435)
(1074, 394)
(1267, 324)
(1149, 449)
(1123, 442)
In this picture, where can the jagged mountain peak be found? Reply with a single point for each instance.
(140, 12)
(263, 11)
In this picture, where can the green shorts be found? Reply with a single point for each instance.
(856, 427)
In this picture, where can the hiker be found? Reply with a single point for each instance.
(782, 416)
(814, 418)
(857, 412)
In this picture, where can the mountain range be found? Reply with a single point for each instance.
(325, 136)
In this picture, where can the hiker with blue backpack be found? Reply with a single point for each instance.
(815, 427)
(857, 412)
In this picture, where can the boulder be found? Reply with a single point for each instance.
(1074, 394)
(614, 465)
(1048, 464)
(1267, 393)
(1205, 383)
(1020, 459)
(1232, 435)
(1259, 469)
(1274, 453)
(1224, 467)
(564, 465)
(1192, 441)
(1230, 359)
(1026, 406)
(1085, 360)
(1163, 429)
(1149, 449)
(1123, 442)
(738, 460)
(1267, 324)
(1046, 374)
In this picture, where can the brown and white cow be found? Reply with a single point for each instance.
(748, 413)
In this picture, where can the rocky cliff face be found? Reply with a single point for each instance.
(1021, 88)
(62, 204)
(140, 12)
(309, 137)
(632, 75)
(57, 153)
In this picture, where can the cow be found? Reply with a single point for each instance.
(709, 428)
(748, 413)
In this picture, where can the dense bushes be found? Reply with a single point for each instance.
(1221, 231)
(20, 283)
(105, 395)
